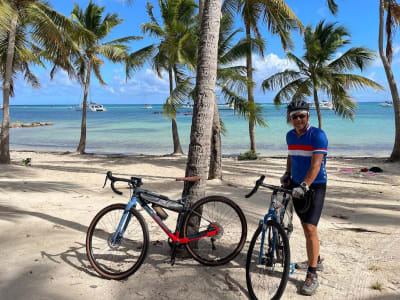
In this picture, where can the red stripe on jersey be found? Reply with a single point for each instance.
(300, 147)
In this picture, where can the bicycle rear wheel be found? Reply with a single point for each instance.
(228, 242)
(267, 279)
(120, 259)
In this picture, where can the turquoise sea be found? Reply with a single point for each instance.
(132, 129)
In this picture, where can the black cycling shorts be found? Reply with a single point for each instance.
(313, 214)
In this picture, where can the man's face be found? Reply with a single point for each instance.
(300, 120)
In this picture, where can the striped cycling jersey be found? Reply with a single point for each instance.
(301, 149)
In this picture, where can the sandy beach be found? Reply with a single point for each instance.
(45, 210)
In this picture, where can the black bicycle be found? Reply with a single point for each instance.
(213, 230)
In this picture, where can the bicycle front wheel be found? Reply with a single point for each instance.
(122, 257)
(224, 246)
(267, 275)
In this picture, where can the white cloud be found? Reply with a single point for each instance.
(269, 65)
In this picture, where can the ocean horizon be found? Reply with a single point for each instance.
(134, 129)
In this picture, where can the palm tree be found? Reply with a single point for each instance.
(89, 60)
(320, 70)
(392, 21)
(232, 83)
(175, 51)
(31, 32)
(279, 19)
(200, 136)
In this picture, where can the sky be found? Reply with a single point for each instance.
(360, 17)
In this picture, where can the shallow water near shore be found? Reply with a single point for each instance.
(133, 129)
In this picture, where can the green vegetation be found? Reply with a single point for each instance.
(249, 155)
(377, 286)
(320, 70)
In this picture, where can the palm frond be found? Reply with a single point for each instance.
(280, 79)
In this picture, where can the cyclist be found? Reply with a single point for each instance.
(305, 168)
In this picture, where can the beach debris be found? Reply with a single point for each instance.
(340, 217)
(358, 172)
(376, 170)
(27, 161)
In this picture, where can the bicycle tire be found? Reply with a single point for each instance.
(225, 245)
(108, 259)
(267, 280)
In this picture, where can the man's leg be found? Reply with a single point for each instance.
(312, 244)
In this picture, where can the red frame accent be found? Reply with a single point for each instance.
(175, 237)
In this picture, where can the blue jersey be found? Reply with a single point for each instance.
(301, 149)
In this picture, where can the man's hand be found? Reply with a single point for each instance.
(285, 179)
(299, 191)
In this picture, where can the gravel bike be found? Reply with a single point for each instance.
(213, 229)
(268, 258)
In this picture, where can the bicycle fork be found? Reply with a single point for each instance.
(123, 224)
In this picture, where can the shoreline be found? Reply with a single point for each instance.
(116, 154)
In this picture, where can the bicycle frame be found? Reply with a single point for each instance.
(173, 236)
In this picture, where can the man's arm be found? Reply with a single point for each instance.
(312, 173)
(288, 165)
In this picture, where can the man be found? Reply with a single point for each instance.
(305, 169)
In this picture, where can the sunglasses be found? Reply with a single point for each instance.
(295, 117)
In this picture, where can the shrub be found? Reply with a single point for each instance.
(249, 155)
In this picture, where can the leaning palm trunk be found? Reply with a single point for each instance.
(174, 126)
(317, 108)
(200, 136)
(250, 94)
(395, 156)
(5, 130)
(216, 150)
(82, 142)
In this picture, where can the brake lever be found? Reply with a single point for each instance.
(105, 181)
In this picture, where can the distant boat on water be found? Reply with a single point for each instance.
(226, 106)
(147, 106)
(91, 106)
(1, 106)
(323, 105)
(187, 105)
(386, 104)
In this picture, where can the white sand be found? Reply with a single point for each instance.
(45, 210)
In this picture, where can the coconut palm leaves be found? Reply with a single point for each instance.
(279, 19)
(176, 51)
(31, 32)
(321, 70)
(89, 59)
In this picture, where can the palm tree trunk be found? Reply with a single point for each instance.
(395, 156)
(318, 109)
(82, 142)
(203, 110)
(250, 93)
(5, 130)
(175, 134)
(216, 150)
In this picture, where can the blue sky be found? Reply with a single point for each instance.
(360, 17)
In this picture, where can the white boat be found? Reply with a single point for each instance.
(323, 105)
(187, 105)
(226, 106)
(1, 106)
(96, 107)
(91, 106)
(147, 106)
(386, 103)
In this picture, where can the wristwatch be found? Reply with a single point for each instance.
(304, 186)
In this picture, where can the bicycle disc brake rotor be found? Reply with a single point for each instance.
(220, 232)
(117, 242)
